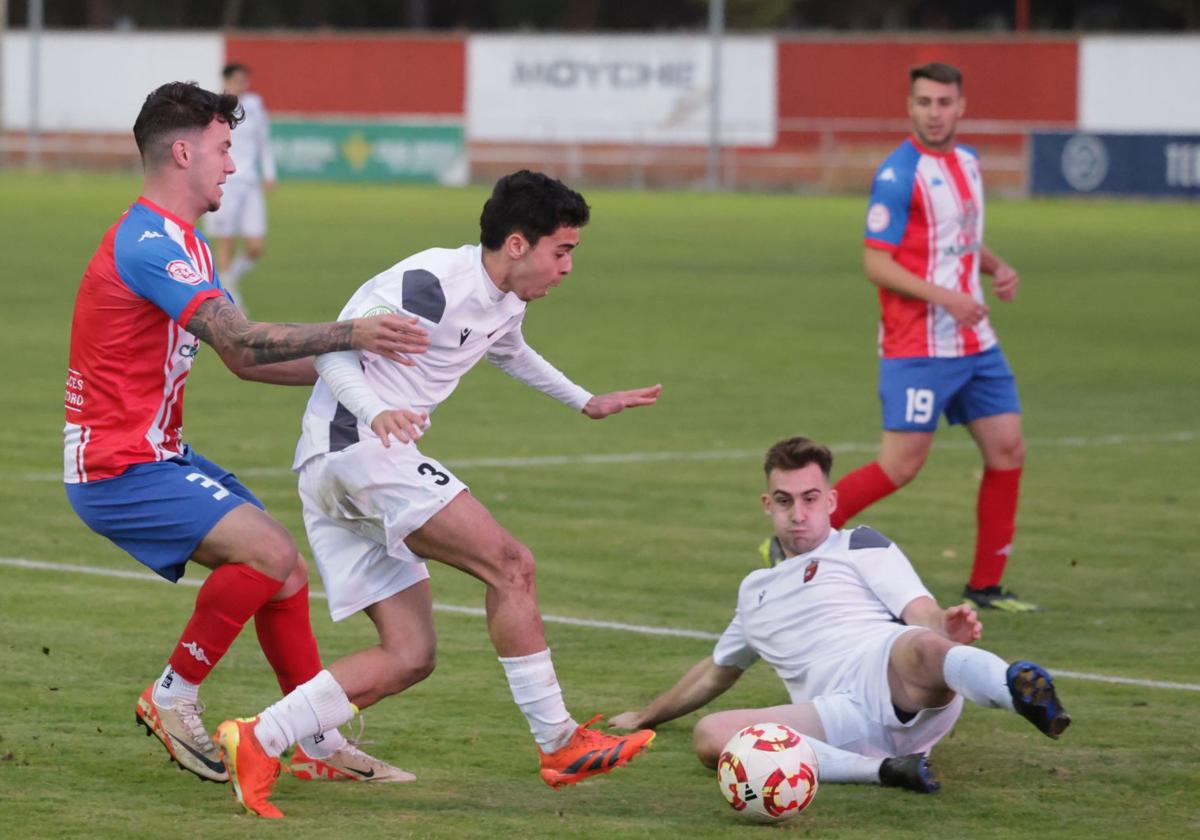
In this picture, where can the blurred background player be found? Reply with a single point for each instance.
(374, 509)
(147, 299)
(939, 354)
(874, 667)
(243, 211)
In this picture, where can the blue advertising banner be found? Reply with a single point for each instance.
(1115, 164)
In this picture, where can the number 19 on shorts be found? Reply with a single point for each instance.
(918, 405)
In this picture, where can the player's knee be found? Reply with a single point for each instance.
(408, 668)
(1010, 455)
(275, 554)
(514, 567)
(706, 741)
(904, 469)
(929, 655)
(254, 249)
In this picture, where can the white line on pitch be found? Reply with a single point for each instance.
(1071, 442)
(642, 629)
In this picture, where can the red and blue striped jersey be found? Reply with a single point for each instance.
(926, 209)
(130, 353)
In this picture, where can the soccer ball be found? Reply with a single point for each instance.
(768, 772)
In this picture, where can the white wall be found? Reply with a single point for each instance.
(97, 81)
(618, 89)
(1140, 84)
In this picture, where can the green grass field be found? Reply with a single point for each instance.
(752, 311)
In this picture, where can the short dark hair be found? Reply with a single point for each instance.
(532, 204)
(936, 71)
(796, 453)
(177, 107)
(234, 67)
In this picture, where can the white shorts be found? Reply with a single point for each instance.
(359, 506)
(243, 212)
(860, 717)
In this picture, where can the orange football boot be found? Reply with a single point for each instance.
(590, 752)
(252, 773)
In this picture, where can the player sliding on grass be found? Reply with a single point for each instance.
(148, 298)
(375, 507)
(876, 670)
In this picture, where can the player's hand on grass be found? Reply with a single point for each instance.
(390, 336)
(961, 624)
(1005, 281)
(967, 311)
(603, 405)
(626, 720)
(401, 423)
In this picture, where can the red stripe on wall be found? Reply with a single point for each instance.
(1029, 80)
(331, 74)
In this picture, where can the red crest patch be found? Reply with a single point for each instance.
(810, 571)
(184, 273)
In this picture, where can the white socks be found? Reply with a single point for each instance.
(313, 708)
(979, 676)
(536, 692)
(842, 766)
(172, 688)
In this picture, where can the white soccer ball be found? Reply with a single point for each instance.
(768, 772)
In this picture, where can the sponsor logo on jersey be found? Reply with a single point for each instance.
(184, 272)
(150, 234)
(878, 218)
(888, 174)
(810, 571)
(463, 335)
(936, 182)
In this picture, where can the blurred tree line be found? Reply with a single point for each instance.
(614, 15)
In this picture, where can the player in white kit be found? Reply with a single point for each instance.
(875, 669)
(243, 211)
(375, 507)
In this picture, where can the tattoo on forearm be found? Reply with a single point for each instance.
(218, 322)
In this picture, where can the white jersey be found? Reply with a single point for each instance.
(251, 144)
(467, 317)
(812, 616)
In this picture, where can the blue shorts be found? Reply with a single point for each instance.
(915, 392)
(160, 511)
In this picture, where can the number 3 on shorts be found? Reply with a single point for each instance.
(918, 407)
(440, 478)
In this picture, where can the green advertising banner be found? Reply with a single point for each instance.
(369, 151)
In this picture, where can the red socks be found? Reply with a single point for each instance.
(996, 517)
(860, 489)
(231, 594)
(287, 639)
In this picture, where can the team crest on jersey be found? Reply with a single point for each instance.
(878, 218)
(183, 271)
(810, 571)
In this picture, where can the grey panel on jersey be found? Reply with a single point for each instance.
(343, 429)
(423, 295)
(864, 537)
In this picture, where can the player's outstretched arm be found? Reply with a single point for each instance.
(245, 344)
(604, 405)
(705, 681)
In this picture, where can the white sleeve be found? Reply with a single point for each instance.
(520, 361)
(343, 373)
(732, 649)
(892, 578)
